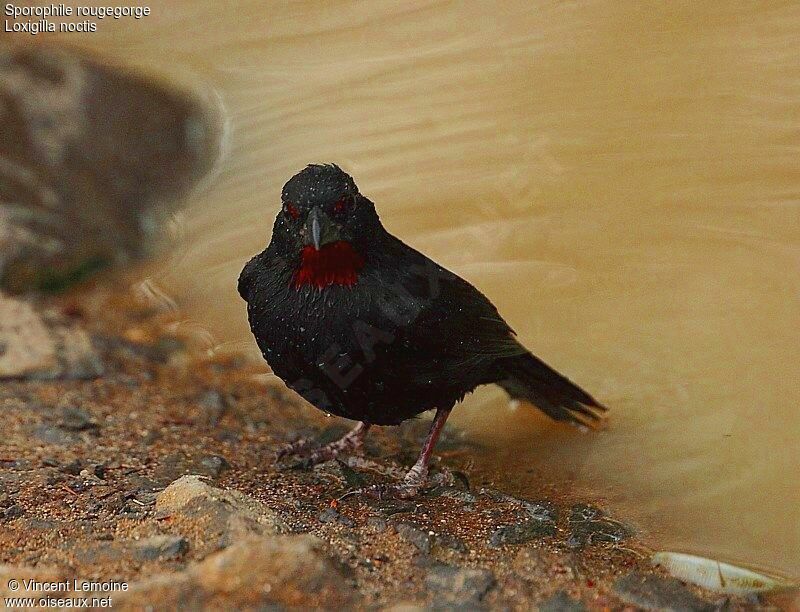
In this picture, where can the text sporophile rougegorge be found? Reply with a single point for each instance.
(64, 18)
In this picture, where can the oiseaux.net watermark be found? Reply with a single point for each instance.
(69, 593)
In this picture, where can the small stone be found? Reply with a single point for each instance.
(164, 348)
(213, 407)
(523, 532)
(460, 495)
(98, 470)
(652, 592)
(55, 435)
(257, 573)
(213, 465)
(332, 516)
(73, 468)
(12, 512)
(389, 507)
(76, 419)
(377, 524)
(419, 538)
(561, 602)
(589, 525)
(455, 586)
(28, 346)
(450, 543)
(351, 478)
(225, 516)
(161, 548)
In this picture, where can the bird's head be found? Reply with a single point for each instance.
(325, 226)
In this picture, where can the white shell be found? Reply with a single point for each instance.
(716, 575)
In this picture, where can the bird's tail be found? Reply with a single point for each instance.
(531, 380)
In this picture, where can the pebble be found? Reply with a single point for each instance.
(12, 512)
(377, 524)
(213, 465)
(332, 516)
(213, 407)
(652, 592)
(456, 586)
(419, 538)
(561, 602)
(160, 548)
(589, 525)
(76, 419)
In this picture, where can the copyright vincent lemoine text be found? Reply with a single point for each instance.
(74, 593)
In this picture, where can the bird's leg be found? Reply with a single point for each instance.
(415, 477)
(352, 441)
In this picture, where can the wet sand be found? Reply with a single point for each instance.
(84, 464)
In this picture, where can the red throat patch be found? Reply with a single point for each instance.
(336, 263)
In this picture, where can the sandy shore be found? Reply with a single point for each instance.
(94, 487)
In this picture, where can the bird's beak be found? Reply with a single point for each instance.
(320, 229)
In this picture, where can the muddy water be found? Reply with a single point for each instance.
(621, 178)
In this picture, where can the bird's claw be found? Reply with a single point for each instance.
(397, 491)
(310, 454)
(298, 447)
(409, 487)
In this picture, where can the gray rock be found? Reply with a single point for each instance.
(155, 548)
(255, 572)
(330, 515)
(589, 525)
(448, 542)
(377, 524)
(76, 419)
(224, 516)
(43, 345)
(343, 473)
(55, 435)
(456, 586)
(561, 602)
(540, 522)
(161, 548)
(12, 512)
(419, 538)
(90, 156)
(74, 467)
(652, 592)
(389, 507)
(212, 406)
(213, 465)
(460, 495)
(523, 532)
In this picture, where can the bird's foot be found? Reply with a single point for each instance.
(310, 455)
(410, 486)
(360, 463)
(294, 449)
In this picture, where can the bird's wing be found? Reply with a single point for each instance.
(453, 319)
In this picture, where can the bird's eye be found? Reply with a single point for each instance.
(341, 206)
(291, 210)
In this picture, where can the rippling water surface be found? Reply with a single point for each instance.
(621, 178)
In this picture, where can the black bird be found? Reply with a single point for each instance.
(367, 328)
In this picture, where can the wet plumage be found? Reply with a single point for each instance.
(365, 327)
